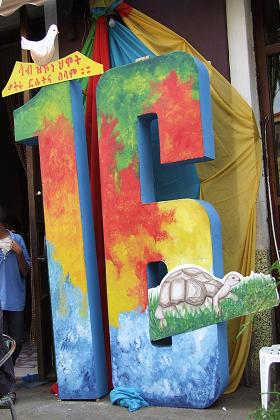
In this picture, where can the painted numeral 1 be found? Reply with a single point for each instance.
(55, 117)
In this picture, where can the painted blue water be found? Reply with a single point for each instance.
(187, 374)
(72, 337)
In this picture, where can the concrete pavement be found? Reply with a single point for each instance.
(38, 403)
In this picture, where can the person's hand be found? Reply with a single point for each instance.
(16, 248)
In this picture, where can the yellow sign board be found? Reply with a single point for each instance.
(27, 76)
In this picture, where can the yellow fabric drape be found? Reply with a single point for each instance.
(231, 181)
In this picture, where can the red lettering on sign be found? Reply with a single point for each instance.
(29, 70)
(68, 61)
(21, 70)
(77, 59)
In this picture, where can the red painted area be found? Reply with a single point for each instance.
(56, 141)
(179, 118)
(124, 215)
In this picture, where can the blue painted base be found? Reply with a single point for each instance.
(72, 338)
(170, 376)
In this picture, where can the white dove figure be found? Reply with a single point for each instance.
(41, 51)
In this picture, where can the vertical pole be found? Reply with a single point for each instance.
(31, 185)
(50, 11)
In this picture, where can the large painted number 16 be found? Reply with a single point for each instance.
(165, 98)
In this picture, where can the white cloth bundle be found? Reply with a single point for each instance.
(5, 244)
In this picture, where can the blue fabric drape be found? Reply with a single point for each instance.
(125, 48)
(172, 181)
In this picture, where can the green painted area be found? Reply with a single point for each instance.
(256, 295)
(124, 93)
(29, 119)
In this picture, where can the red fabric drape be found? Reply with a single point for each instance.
(100, 55)
(123, 9)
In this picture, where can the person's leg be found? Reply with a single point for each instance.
(15, 323)
(5, 323)
(7, 375)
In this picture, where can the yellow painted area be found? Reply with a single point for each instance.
(188, 241)
(133, 247)
(26, 76)
(64, 232)
(117, 283)
(122, 277)
(189, 237)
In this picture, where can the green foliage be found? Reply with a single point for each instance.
(275, 266)
(265, 296)
(272, 413)
(251, 296)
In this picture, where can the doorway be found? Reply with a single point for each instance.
(21, 194)
(266, 19)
